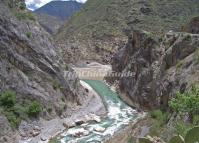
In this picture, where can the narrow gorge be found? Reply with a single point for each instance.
(102, 71)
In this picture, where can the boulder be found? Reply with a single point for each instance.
(79, 122)
(69, 124)
(99, 129)
(43, 138)
(78, 132)
(95, 118)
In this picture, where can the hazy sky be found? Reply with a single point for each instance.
(34, 4)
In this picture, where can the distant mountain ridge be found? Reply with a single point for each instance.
(60, 9)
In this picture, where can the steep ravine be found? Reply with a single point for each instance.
(119, 116)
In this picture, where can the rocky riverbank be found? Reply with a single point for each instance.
(92, 109)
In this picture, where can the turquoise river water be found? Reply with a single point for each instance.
(119, 116)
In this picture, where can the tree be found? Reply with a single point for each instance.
(187, 102)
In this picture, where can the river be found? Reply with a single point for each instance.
(119, 115)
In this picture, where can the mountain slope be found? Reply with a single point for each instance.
(100, 22)
(52, 15)
(50, 23)
(60, 9)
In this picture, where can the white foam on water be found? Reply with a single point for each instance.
(119, 115)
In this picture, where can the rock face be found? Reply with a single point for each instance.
(31, 66)
(159, 67)
(6, 134)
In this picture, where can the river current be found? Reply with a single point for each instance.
(119, 115)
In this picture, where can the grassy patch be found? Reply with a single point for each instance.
(131, 140)
(197, 57)
(160, 119)
(25, 16)
(56, 85)
(181, 128)
(66, 67)
(179, 65)
(159, 115)
(54, 140)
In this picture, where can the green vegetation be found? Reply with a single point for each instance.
(184, 104)
(29, 34)
(188, 38)
(56, 84)
(34, 109)
(176, 139)
(54, 140)
(132, 140)
(192, 135)
(197, 57)
(101, 18)
(22, 15)
(144, 140)
(179, 65)
(66, 67)
(181, 127)
(160, 119)
(159, 115)
(187, 102)
(62, 99)
(22, 6)
(8, 99)
(16, 112)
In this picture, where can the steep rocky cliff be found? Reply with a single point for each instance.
(101, 25)
(31, 67)
(159, 66)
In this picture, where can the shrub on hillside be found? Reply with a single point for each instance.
(160, 116)
(16, 112)
(187, 102)
(25, 16)
(34, 109)
(8, 98)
